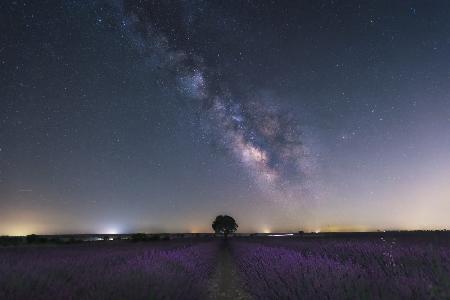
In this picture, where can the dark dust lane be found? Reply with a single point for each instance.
(226, 282)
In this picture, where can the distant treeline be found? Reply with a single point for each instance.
(35, 239)
(147, 237)
(71, 239)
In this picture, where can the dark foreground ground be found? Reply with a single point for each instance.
(351, 266)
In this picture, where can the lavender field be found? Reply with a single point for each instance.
(261, 268)
(171, 270)
(344, 269)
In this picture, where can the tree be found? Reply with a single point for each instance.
(139, 237)
(224, 224)
(34, 238)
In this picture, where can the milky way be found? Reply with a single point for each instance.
(151, 116)
(264, 138)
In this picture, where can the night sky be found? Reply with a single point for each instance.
(155, 116)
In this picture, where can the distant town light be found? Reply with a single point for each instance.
(284, 234)
(111, 231)
(266, 230)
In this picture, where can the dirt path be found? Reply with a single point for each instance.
(226, 282)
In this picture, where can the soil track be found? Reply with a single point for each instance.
(225, 283)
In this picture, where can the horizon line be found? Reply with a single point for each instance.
(255, 232)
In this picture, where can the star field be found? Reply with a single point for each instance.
(159, 115)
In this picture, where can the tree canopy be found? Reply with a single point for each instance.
(224, 224)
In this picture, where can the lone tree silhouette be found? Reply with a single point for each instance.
(224, 224)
